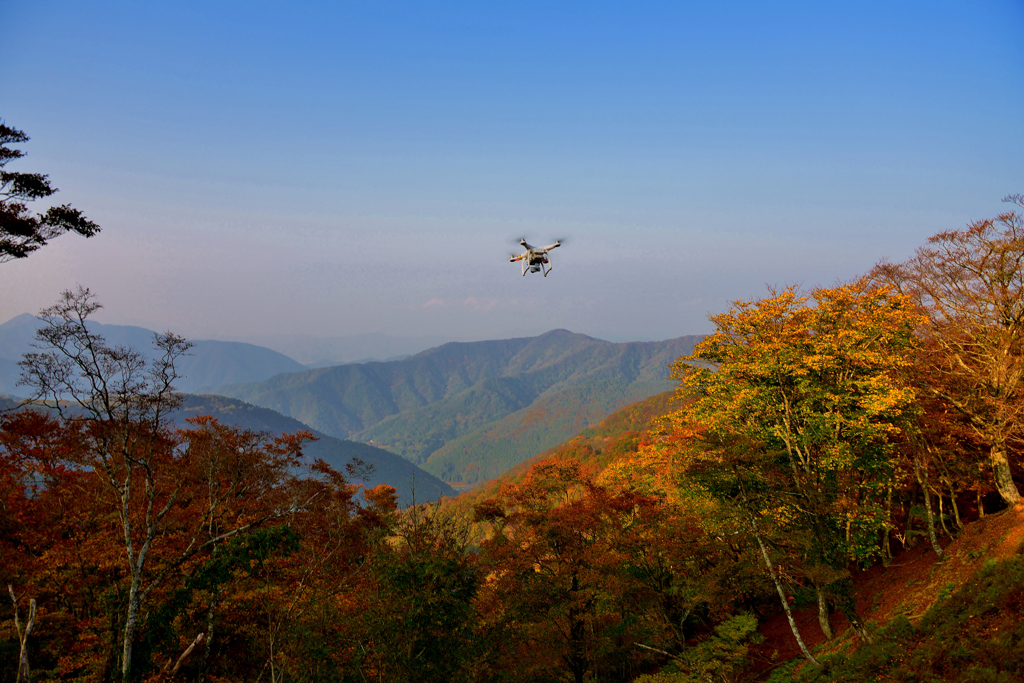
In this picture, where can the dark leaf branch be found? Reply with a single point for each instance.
(21, 231)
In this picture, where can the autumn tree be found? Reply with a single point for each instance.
(54, 547)
(230, 483)
(560, 571)
(418, 616)
(970, 286)
(21, 231)
(174, 495)
(327, 606)
(692, 559)
(122, 402)
(939, 460)
(248, 594)
(800, 396)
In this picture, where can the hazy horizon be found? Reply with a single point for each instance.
(339, 171)
(315, 351)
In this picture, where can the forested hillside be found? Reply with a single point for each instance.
(614, 438)
(920, 604)
(468, 411)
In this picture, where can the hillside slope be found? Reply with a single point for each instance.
(468, 411)
(955, 619)
(488, 451)
(412, 483)
(596, 447)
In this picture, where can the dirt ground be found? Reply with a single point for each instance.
(908, 586)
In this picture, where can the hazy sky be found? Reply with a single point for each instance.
(344, 168)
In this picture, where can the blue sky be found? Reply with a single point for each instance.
(346, 168)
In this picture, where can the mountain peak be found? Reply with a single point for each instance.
(562, 333)
(23, 320)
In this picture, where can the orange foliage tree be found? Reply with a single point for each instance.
(970, 286)
(565, 563)
(173, 494)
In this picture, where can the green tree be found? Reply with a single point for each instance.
(419, 621)
(21, 231)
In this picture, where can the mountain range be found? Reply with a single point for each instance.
(207, 364)
(467, 411)
(315, 351)
(464, 412)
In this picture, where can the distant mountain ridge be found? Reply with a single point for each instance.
(467, 411)
(208, 363)
(316, 351)
(464, 411)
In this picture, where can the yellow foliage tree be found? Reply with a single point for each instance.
(801, 396)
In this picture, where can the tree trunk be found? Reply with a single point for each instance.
(23, 634)
(925, 488)
(942, 517)
(129, 628)
(1002, 476)
(184, 656)
(886, 549)
(823, 612)
(23, 670)
(956, 509)
(577, 659)
(208, 642)
(908, 524)
(782, 596)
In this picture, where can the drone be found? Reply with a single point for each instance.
(534, 259)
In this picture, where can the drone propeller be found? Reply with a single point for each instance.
(536, 257)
